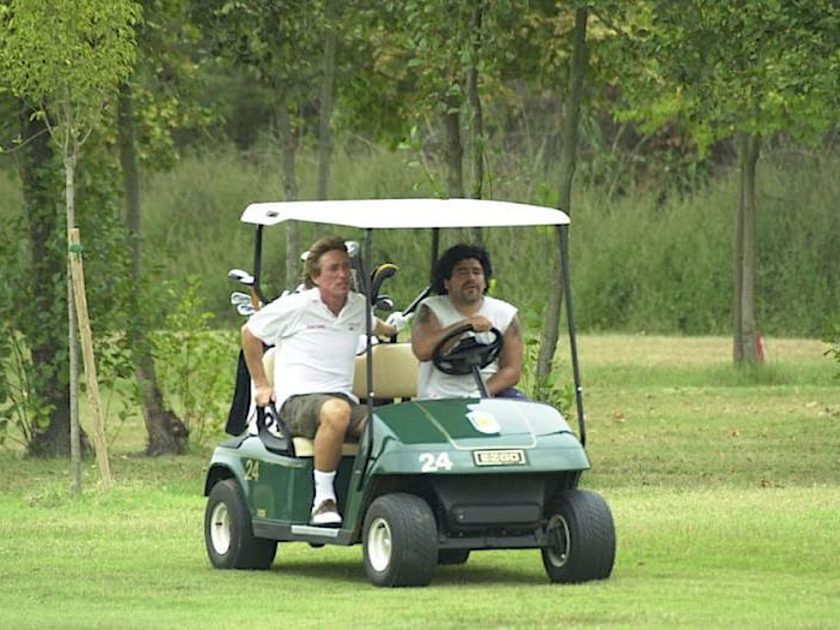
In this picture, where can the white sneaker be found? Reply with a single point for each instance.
(326, 514)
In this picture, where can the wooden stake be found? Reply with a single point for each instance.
(80, 297)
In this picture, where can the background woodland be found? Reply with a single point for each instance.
(694, 144)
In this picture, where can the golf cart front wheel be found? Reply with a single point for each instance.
(227, 531)
(399, 541)
(582, 535)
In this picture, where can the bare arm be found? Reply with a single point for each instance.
(252, 349)
(510, 360)
(428, 333)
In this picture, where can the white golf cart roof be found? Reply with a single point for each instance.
(405, 213)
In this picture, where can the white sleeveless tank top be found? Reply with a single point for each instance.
(431, 382)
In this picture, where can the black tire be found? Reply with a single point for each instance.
(453, 556)
(228, 534)
(399, 541)
(581, 527)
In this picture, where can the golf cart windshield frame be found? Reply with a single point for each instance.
(370, 214)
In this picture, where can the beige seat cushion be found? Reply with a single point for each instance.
(394, 372)
(304, 447)
(394, 376)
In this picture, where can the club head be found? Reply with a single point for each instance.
(245, 309)
(242, 276)
(237, 298)
(352, 248)
(384, 303)
(379, 275)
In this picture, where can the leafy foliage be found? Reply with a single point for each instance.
(195, 364)
(170, 84)
(722, 68)
(552, 390)
(22, 411)
(70, 53)
(685, 77)
(35, 369)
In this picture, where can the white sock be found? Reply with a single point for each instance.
(323, 486)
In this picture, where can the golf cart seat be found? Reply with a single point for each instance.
(394, 376)
(395, 371)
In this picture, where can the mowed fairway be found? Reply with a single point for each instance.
(724, 486)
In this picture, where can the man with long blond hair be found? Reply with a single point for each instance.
(316, 333)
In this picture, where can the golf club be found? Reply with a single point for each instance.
(245, 309)
(242, 276)
(237, 298)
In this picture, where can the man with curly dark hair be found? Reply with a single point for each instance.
(460, 280)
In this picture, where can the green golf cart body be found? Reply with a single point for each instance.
(430, 481)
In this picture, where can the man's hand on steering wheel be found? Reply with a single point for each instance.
(479, 323)
(468, 352)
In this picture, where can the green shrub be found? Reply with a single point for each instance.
(196, 365)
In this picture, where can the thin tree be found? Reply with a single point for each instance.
(166, 432)
(162, 82)
(67, 58)
(738, 71)
(50, 435)
(325, 111)
(571, 117)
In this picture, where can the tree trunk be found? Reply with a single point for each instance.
(746, 248)
(453, 149)
(453, 152)
(71, 153)
(474, 99)
(327, 88)
(47, 344)
(166, 433)
(577, 72)
(288, 146)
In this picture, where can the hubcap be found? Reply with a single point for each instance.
(220, 528)
(558, 531)
(379, 544)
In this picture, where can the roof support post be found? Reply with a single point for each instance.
(369, 384)
(570, 319)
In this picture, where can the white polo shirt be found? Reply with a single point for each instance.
(431, 382)
(316, 350)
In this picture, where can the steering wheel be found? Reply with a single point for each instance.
(467, 353)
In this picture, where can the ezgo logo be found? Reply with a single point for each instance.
(511, 457)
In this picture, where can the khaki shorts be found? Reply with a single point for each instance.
(303, 413)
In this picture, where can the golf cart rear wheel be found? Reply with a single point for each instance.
(228, 534)
(453, 556)
(581, 530)
(399, 541)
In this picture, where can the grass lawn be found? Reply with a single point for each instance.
(724, 486)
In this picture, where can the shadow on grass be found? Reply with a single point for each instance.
(353, 572)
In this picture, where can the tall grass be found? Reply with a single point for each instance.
(645, 261)
(642, 262)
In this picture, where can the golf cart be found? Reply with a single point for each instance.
(429, 481)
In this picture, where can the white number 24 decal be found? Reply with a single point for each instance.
(431, 463)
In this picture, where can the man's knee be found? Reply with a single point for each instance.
(335, 413)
